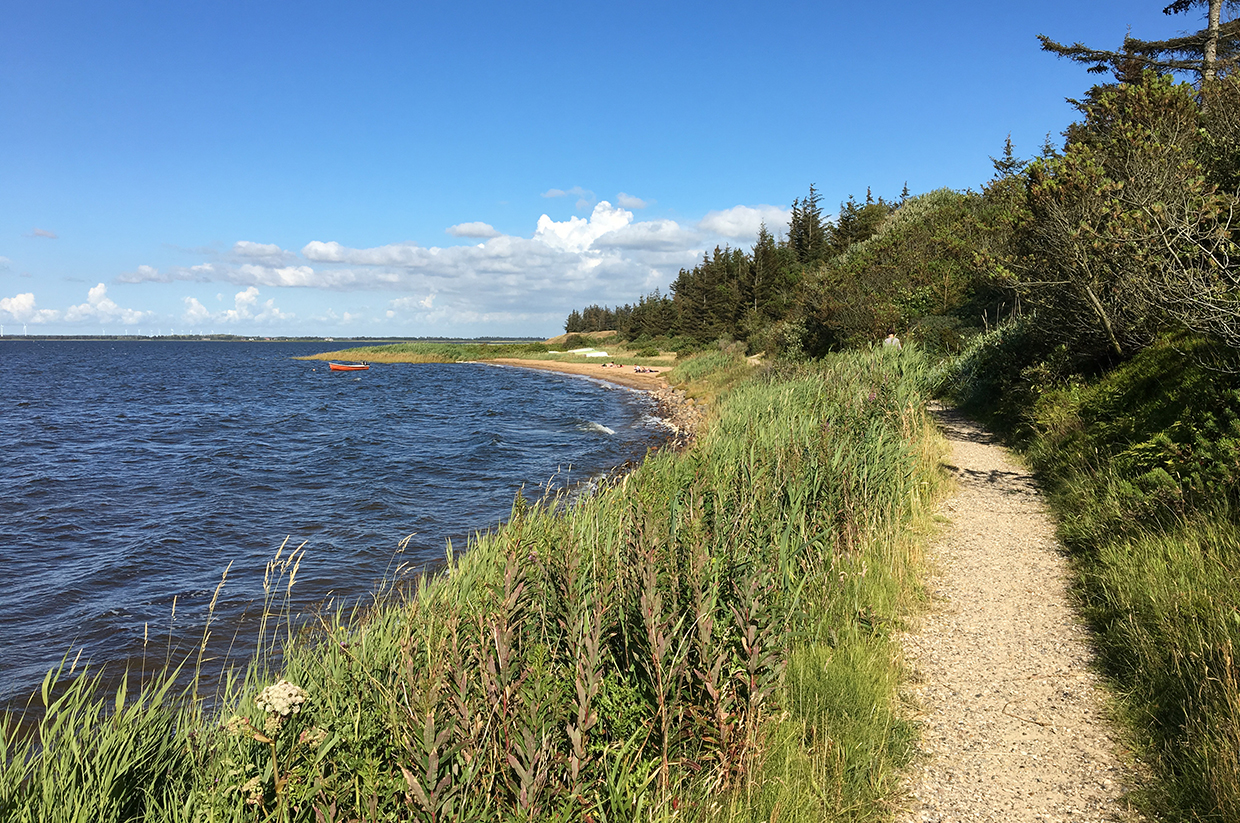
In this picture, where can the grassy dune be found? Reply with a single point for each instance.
(708, 639)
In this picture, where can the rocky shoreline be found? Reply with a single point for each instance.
(680, 413)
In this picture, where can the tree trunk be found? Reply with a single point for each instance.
(1106, 321)
(1210, 55)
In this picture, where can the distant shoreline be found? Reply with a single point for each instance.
(679, 412)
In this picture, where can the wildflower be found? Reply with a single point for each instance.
(281, 699)
(253, 791)
(237, 725)
(313, 737)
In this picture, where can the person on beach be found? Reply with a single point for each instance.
(891, 341)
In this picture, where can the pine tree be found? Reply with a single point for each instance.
(807, 233)
(1204, 52)
(1009, 165)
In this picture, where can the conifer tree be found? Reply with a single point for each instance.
(807, 232)
(1204, 52)
(1008, 165)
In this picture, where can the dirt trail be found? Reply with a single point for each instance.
(1013, 722)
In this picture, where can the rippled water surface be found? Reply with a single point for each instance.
(132, 473)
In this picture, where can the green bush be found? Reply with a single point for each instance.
(578, 341)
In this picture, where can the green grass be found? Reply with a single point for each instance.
(710, 638)
(704, 376)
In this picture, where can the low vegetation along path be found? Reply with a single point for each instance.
(1014, 726)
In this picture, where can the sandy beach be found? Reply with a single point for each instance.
(623, 375)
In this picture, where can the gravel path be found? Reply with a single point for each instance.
(1013, 721)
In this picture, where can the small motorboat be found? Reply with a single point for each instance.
(348, 366)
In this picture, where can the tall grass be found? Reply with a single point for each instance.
(706, 375)
(708, 638)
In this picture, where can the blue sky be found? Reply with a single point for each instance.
(461, 169)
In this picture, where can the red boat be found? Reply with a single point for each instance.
(348, 366)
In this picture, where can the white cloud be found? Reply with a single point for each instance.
(273, 276)
(606, 257)
(202, 273)
(628, 201)
(394, 254)
(101, 308)
(743, 222)
(50, 235)
(5, 263)
(652, 235)
(246, 308)
(585, 197)
(267, 253)
(477, 229)
(196, 314)
(22, 309)
(576, 234)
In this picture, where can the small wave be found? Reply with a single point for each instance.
(591, 426)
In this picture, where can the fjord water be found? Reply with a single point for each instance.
(133, 472)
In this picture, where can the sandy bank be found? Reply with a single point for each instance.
(623, 376)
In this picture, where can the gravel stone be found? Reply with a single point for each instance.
(1014, 725)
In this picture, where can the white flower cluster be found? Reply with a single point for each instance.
(281, 699)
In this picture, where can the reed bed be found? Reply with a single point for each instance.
(708, 638)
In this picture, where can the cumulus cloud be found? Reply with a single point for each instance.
(743, 222)
(22, 309)
(394, 254)
(576, 234)
(103, 309)
(628, 201)
(277, 276)
(246, 308)
(606, 256)
(50, 235)
(196, 314)
(477, 229)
